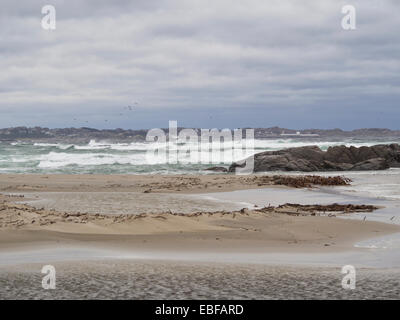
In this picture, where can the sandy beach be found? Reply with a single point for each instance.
(146, 279)
(34, 229)
(134, 183)
(244, 229)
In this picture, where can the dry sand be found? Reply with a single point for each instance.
(230, 231)
(130, 183)
(170, 255)
(155, 183)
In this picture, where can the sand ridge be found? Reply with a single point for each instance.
(286, 227)
(157, 183)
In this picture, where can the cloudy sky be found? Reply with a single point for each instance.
(219, 63)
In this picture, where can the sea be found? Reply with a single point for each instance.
(102, 157)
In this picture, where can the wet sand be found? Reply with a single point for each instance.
(129, 202)
(101, 214)
(260, 229)
(130, 183)
(121, 279)
(84, 242)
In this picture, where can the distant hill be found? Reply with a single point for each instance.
(70, 134)
(362, 133)
(86, 134)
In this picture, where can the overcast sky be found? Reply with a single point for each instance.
(218, 63)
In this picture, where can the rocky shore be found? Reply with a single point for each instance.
(339, 158)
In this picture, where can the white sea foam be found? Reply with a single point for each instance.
(56, 159)
(57, 145)
(102, 156)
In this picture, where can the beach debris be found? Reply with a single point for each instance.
(308, 181)
(317, 209)
(17, 215)
(160, 217)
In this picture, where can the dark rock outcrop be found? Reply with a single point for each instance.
(339, 158)
(217, 169)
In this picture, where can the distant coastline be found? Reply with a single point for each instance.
(85, 134)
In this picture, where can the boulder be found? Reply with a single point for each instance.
(338, 158)
(371, 164)
(336, 166)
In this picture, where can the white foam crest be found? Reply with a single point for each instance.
(136, 146)
(57, 145)
(265, 144)
(93, 145)
(23, 159)
(56, 160)
(277, 144)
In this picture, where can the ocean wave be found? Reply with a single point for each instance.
(59, 159)
(43, 157)
(257, 144)
(55, 145)
(62, 159)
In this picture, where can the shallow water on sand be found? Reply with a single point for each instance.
(162, 280)
(129, 202)
(374, 188)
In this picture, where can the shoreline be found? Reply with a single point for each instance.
(261, 252)
(208, 183)
(246, 233)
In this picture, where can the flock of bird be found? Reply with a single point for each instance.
(127, 108)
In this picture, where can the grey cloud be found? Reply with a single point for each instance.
(186, 55)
